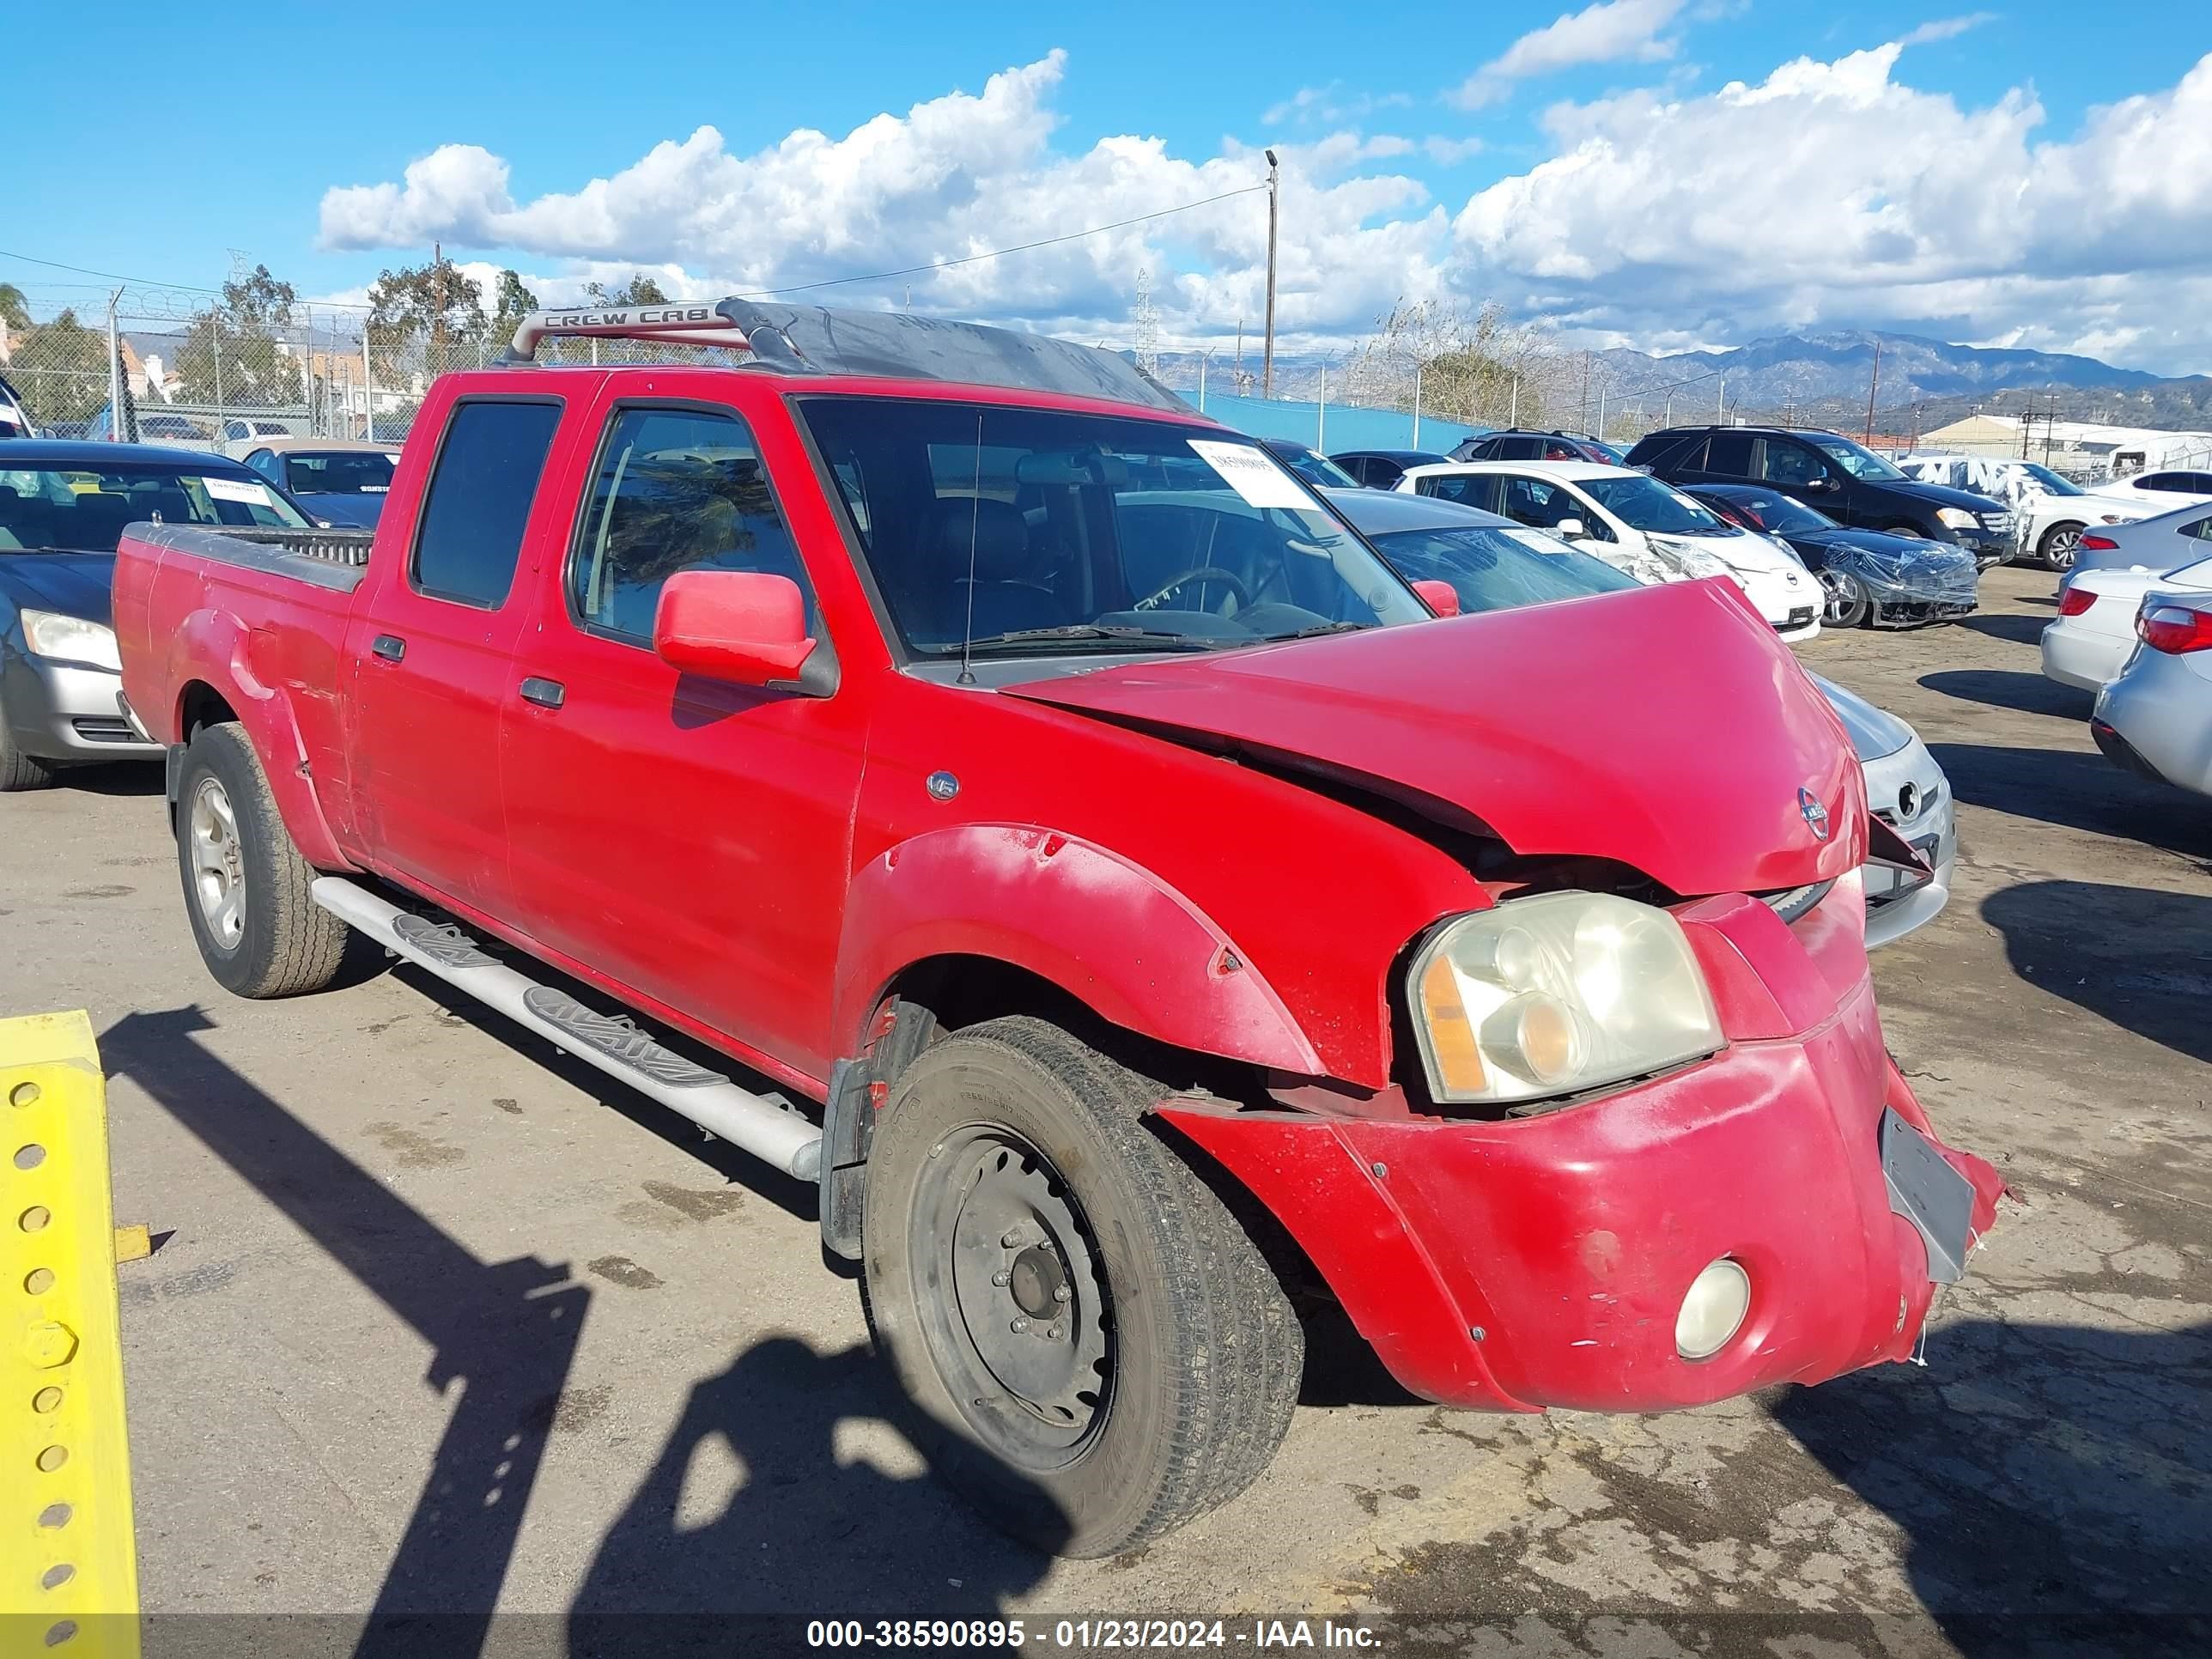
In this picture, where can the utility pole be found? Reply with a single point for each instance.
(368, 387)
(1601, 411)
(1513, 413)
(1417, 403)
(1581, 415)
(114, 372)
(1872, 386)
(1321, 413)
(1720, 399)
(1268, 358)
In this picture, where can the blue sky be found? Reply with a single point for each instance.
(1945, 169)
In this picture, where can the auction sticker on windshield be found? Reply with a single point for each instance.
(1252, 476)
(237, 489)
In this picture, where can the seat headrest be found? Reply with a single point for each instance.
(1001, 535)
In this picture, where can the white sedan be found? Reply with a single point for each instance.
(2089, 643)
(1646, 529)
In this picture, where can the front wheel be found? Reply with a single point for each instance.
(260, 931)
(2059, 545)
(1101, 1350)
(17, 769)
(1845, 601)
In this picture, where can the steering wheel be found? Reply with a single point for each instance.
(1204, 573)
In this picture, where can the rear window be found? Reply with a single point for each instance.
(339, 472)
(479, 500)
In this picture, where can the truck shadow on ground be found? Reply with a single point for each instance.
(2138, 956)
(2076, 791)
(2054, 1483)
(806, 1534)
(2004, 688)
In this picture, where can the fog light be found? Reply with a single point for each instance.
(1719, 1298)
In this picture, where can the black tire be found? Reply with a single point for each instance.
(1845, 601)
(2059, 546)
(275, 941)
(19, 771)
(1201, 1353)
(1905, 528)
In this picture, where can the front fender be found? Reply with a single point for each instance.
(1112, 935)
(215, 649)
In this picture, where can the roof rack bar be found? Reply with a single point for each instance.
(691, 324)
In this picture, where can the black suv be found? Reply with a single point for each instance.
(1851, 483)
(1520, 444)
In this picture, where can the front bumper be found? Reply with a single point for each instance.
(1537, 1262)
(68, 712)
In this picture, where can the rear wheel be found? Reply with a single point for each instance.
(1845, 601)
(246, 886)
(2059, 546)
(1100, 1348)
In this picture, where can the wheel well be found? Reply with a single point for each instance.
(201, 705)
(967, 990)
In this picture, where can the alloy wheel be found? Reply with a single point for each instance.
(218, 863)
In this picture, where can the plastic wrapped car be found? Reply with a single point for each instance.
(1870, 577)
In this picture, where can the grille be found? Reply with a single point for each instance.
(94, 729)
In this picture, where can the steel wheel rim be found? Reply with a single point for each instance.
(2061, 548)
(1839, 596)
(1019, 1324)
(218, 863)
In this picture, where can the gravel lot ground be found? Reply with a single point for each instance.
(440, 1325)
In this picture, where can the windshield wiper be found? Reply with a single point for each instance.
(1316, 629)
(1080, 635)
(92, 551)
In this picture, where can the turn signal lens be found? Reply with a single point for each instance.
(1713, 1311)
(1452, 1046)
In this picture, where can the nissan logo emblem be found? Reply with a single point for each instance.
(1814, 814)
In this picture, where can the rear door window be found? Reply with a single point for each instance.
(479, 503)
(1467, 488)
(1731, 455)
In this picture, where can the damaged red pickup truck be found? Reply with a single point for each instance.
(1041, 787)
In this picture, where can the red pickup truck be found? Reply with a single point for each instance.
(1126, 901)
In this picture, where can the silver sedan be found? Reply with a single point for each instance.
(2156, 718)
(2170, 540)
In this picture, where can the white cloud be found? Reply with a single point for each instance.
(953, 177)
(1330, 106)
(1450, 152)
(1606, 33)
(1830, 192)
(1945, 28)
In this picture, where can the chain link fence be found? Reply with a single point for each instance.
(212, 377)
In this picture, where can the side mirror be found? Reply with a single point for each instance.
(747, 627)
(1571, 528)
(1440, 596)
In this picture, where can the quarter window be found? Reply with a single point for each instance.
(479, 500)
(676, 489)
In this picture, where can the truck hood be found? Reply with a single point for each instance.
(68, 583)
(1665, 727)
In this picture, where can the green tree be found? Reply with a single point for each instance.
(511, 302)
(640, 291)
(15, 309)
(432, 306)
(235, 355)
(61, 369)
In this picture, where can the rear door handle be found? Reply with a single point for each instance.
(546, 694)
(390, 646)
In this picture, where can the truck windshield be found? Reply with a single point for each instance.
(82, 509)
(1036, 532)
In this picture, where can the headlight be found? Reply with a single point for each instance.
(1557, 993)
(1693, 561)
(70, 639)
(1957, 517)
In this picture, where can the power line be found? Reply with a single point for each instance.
(1001, 253)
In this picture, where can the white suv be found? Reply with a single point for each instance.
(1647, 529)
